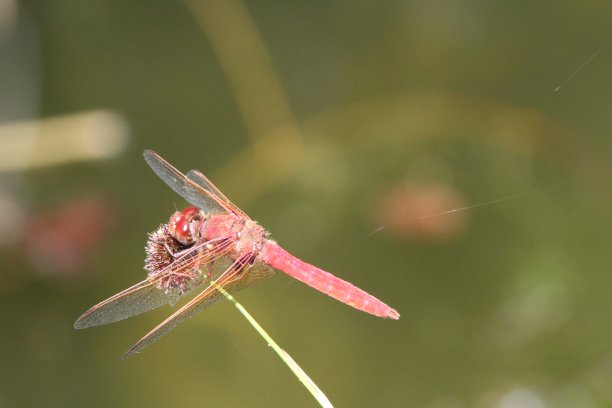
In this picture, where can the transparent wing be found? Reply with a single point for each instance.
(140, 298)
(147, 295)
(200, 179)
(232, 279)
(189, 190)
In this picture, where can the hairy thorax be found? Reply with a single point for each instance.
(246, 236)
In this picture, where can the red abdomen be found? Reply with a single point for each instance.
(339, 289)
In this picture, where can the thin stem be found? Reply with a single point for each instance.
(297, 370)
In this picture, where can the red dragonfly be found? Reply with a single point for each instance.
(213, 240)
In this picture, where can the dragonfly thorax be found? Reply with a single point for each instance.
(243, 235)
(191, 226)
(251, 237)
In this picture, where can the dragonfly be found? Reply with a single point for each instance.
(210, 244)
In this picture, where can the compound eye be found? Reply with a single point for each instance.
(179, 226)
(190, 212)
(176, 217)
(182, 233)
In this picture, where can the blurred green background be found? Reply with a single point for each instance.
(347, 128)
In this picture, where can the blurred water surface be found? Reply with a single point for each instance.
(349, 130)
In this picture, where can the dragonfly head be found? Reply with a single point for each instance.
(181, 225)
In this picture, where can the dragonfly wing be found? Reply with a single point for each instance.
(140, 298)
(190, 191)
(231, 280)
(155, 291)
(199, 178)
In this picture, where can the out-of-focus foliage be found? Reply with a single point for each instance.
(325, 121)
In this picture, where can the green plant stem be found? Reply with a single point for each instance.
(297, 370)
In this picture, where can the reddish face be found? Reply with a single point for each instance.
(180, 225)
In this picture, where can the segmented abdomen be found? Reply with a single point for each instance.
(339, 289)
